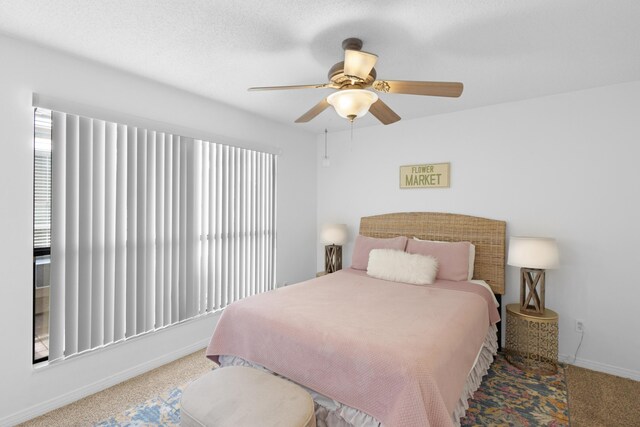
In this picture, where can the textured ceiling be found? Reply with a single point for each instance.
(501, 50)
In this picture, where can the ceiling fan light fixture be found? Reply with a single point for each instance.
(352, 103)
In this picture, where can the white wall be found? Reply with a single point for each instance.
(565, 166)
(27, 68)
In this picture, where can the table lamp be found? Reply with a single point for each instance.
(333, 236)
(533, 255)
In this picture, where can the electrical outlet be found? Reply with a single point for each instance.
(579, 325)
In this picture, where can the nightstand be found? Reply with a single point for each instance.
(532, 340)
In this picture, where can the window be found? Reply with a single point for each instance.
(41, 232)
(148, 229)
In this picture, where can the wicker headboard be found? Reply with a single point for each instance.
(488, 235)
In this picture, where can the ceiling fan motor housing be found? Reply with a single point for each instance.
(336, 75)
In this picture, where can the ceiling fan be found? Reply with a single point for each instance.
(352, 78)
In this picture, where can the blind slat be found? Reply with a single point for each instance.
(160, 228)
(182, 265)
(121, 254)
(260, 229)
(204, 227)
(197, 225)
(58, 233)
(168, 229)
(150, 238)
(141, 231)
(233, 231)
(71, 238)
(131, 227)
(254, 221)
(219, 224)
(85, 233)
(211, 259)
(224, 227)
(98, 233)
(175, 232)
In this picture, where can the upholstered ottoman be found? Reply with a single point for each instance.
(238, 396)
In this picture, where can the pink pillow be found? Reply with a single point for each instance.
(364, 245)
(453, 257)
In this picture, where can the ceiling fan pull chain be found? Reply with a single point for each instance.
(325, 160)
(325, 143)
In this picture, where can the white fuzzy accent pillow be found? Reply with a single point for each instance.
(400, 266)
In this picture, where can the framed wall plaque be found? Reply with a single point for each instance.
(434, 175)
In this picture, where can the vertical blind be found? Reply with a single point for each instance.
(150, 228)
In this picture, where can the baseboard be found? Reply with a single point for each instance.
(601, 367)
(65, 399)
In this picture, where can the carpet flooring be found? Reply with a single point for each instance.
(507, 396)
(120, 398)
(597, 399)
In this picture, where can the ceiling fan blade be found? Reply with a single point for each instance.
(358, 64)
(450, 89)
(318, 86)
(382, 112)
(313, 112)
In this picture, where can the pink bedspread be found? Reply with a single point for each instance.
(400, 353)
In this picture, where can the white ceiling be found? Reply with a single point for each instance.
(501, 50)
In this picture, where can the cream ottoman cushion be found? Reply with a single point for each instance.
(237, 396)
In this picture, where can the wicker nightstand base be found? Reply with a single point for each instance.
(532, 340)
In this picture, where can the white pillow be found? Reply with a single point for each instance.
(399, 266)
(472, 254)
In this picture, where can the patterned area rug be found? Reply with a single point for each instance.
(507, 396)
(163, 410)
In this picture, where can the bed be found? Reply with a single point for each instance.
(374, 352)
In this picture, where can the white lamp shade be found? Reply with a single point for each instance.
(352, 103)
(533, 252)
(334, 234)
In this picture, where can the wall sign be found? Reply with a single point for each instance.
(434, 175)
